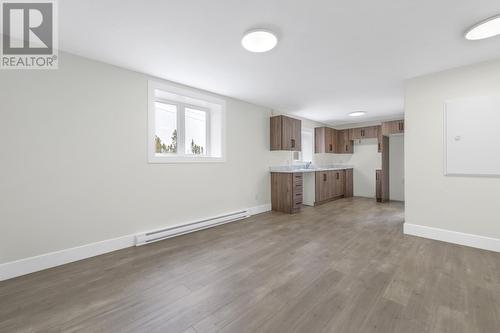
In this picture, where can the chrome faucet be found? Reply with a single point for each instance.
(308, 164)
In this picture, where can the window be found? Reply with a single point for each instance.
(196, 131)
(184, 125)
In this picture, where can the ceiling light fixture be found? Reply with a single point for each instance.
(485, 29)
(259, 40)
(357, 113)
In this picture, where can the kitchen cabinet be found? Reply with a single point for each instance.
(380, 139)
(286, 133)
(378, 185)
(286, 192)
(325, 140)
(393, 127)
(330, 185)
(359, 133)
(349, 183)
(344, 143)
(339, 179)
(324, 187)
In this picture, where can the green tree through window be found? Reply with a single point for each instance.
(161, 147)
(196, 149)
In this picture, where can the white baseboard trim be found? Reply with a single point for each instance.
(260, 209)
(455, 237)
(48, 260)
(29, 265)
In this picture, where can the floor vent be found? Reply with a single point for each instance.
(154, 236)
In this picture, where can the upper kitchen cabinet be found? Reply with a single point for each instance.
(363, 133)
(286, 133)
(380, 139)
(393, 127)
(325, 139)
(344, 142)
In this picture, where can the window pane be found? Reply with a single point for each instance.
(166, 128)
(196, 132)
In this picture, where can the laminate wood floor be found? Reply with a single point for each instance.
(341, 267)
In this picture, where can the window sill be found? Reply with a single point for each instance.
(185, 159)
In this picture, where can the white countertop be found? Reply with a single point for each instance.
(312, 168)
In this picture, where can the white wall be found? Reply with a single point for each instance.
(463, 204)
(74, 162)
(366, 159)
(396, 168)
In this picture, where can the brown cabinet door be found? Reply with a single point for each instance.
(379, 138)
(319, 140)
(364, 133)
(401, 126)
(330, 140)
(349, 183)
(296, 141)
(276, 133)
(344, 144)
(325, 140)
(339, 183)
(369, 132)
(322, 185)
(331, 184)
(287, 142)
(286, 192)
(378, 185)
(356, 133)
(286, 133)
(393, 127)
(281, 192)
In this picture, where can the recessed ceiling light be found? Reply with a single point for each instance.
(357, 113)
(259, 40)
(485, 29)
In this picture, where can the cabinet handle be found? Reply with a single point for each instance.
(337, 175)
(379, 146)
(293, 143)
(331, 147)
(324, 177)
(346, 148)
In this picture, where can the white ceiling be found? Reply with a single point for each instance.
(334, 56)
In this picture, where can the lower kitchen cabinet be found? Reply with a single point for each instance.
(333, 184)
(339, 177)
(349, 183)
(286, 192)
(378, 185)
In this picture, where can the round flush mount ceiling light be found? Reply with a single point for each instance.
(259, 40)
(357, 113)
(485, 29)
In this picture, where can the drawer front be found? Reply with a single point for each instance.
(297, 201)
(297, 179)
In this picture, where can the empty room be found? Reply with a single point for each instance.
(249, 166)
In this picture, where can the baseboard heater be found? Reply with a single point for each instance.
(158, 235)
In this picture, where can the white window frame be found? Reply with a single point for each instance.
(209, 102)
